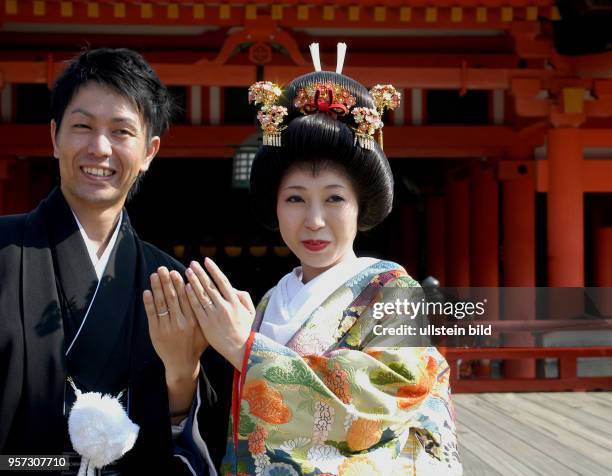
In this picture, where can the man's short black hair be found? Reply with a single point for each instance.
(123, 71)
(318, 141)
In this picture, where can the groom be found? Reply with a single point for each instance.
(72, 275)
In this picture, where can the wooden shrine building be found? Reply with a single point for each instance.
(501, 150)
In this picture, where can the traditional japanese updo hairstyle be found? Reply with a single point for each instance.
(318, 139)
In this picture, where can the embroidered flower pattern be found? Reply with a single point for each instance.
(338, 382)
(327, 458)
(280, 469)
(290, 445)
(262, 461)
(363, 434)
(323, 419)
(358, 466)
(257, 440)
(265, 402)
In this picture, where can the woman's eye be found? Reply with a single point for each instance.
(336, 198)
(294, 199)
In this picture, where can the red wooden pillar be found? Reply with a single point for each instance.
(484, 243)
(518, 209)
(457, 233)
(435, 237)
(565, 208)
(484, 229)
(602, 260)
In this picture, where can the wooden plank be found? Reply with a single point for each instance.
(578, 453)
(486, 450)
(491, 427)
(542, 415)
(585, 403)
(571, 410)
(473, 464)
(605, 398)
(556, 450)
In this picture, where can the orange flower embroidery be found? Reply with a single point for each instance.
(363, 434)
(411, 395)
(337, 381)
(265, 402)
(257, 440)
(316, 362)
(358, 466)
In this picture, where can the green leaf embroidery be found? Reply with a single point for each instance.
(384, 377)
(299, 374)
(400, 368)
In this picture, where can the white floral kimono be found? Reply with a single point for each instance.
(316, 398)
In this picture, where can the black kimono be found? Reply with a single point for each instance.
(47, 282)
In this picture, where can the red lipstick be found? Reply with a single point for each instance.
(315, 245)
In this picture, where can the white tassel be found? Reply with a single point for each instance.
(341, 53)
(316, 58)
(100, 430)
(83, 467)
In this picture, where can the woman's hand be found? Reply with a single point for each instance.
(176, 337)
(224, 314)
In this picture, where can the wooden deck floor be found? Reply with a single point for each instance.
(519, 434)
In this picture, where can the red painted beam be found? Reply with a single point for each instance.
(213, 141)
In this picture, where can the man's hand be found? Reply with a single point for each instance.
(176, 337)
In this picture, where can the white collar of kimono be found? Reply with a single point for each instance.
(292, 301)
(99, 264)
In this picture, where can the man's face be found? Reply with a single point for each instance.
(102, 146)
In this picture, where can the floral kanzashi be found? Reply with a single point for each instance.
(265, 402)
(271, 115)
(368, 122)
(385, 97)
(264, 92)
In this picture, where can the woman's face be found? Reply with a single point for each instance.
(317, 216)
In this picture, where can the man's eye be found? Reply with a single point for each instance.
(124, 132)
(81, 126)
